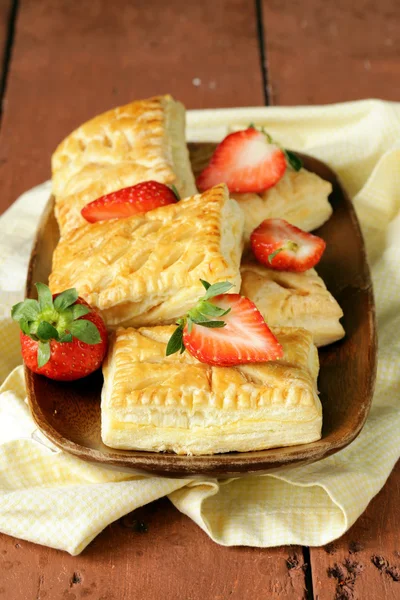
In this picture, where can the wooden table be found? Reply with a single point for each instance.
(67, 60)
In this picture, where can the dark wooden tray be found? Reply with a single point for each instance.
(69, 413)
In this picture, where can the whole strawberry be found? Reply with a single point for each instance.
(62, 337)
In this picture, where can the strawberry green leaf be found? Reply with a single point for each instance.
(46, 332)
(205, 284)
(67, 337)
(85, 331)
(79, 310)
(175, 343)
(27, 310)
(44, 296)
(251, 126)
(43, 356)
(173, 188)
(213, 324)
(24, 326)
(211, 310)
(65, 299)
(217, 288)
(294, 161)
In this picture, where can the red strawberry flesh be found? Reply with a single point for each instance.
(284, 247)
(129, 201)
(246, 161)
(246, 338)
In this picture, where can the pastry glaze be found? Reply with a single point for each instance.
(158, 403)
(146, 269)
(293, 300)
(122, 147)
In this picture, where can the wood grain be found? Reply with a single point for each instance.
(365, 563)
(5, 17)
(324, 52)
(69, 414)
(155, 553)
(73, 60)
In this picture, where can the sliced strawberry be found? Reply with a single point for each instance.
(284, 247)
(241, 337)
(246, 161)
(129, 201)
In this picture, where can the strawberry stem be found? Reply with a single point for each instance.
(44, 320)
(204, 313)
(289, 245)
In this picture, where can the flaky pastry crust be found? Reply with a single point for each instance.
(293, 300)
(146, 269)
(122, 147)
(158, 403)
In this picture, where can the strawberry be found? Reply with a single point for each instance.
(284, 247)
(129, 201)
(62, 337)
(247, 161)
(241, 337)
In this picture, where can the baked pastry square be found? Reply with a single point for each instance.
(175, 403)
(122, 147)
(146, 269)
(300, 197)
(293, 300)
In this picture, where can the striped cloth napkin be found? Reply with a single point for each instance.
(51, 498)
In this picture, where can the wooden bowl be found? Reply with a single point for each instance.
(69, 413)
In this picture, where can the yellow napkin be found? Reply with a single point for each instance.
(55, 499)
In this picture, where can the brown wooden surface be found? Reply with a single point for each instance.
(72, 59)
(69, 415)
(322, 52)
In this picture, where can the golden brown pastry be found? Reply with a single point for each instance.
(293, 300)
(300, 197)
(146, 269)
(122, 147)
(156, 403)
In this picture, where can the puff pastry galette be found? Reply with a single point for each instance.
(153, 402)
(146, 269)
(300, 197)
(293, 300)
(122, 147)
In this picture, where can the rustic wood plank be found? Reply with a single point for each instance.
(364, 563)
(73, 60)
(323, 52)
(6, 10)
(108, 56)
(155, 553)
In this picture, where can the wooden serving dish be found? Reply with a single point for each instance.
(69, 413)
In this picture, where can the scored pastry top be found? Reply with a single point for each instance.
(147, 268)
(138, 373)
(127, 145)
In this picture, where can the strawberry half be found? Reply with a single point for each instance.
(247, 161)
(61, 336)
(241, 337)
(129, 201)
(284, 247)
